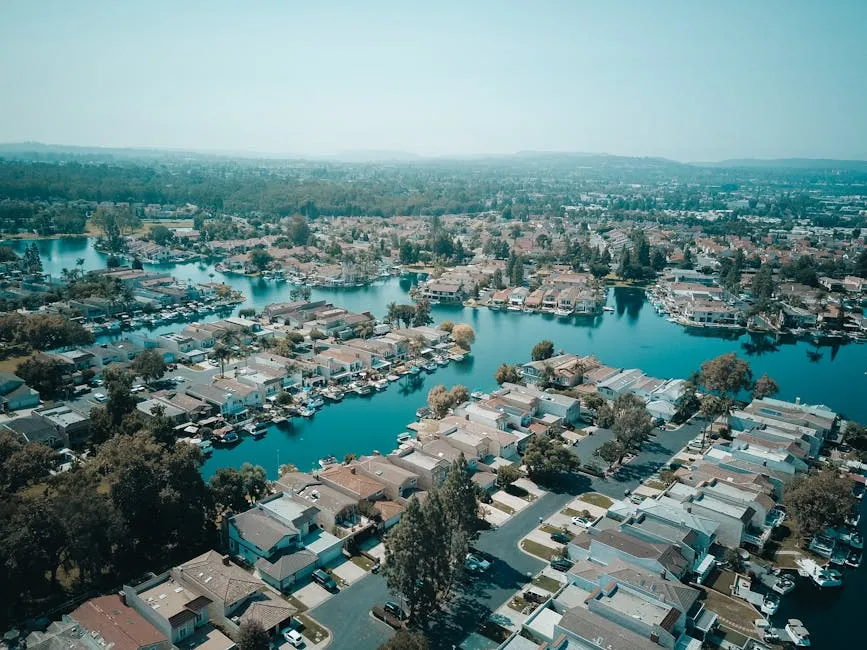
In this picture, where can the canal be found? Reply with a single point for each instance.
(633, 335)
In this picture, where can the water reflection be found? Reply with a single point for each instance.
(759, 344)
(629, 300)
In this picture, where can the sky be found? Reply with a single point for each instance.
(687, 80)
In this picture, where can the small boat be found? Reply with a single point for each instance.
(608, 308)
(307, 412)
(430, 366)
(205, 446)
(770, 604)
(853, 538)
(785, 584)
(414, 370)
(229, 437)
(362, 389)
(513, 308)
(333, 394)
(380, 384)
(404, 437)
(442, 361)
(316, 403)
(279, 420)
(326, 461)
(562, 312)
(820, 575)
(797, 633)
(457, 356)
(393, 377)
(423, 412)
(853, 559)
(479, 395)
(528, 310)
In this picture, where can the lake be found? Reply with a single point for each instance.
(633, 336)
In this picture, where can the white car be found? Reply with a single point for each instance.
(294, 638)
(180, 378)
(99, 397)
(583, 522)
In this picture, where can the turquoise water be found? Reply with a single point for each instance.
(633, 336)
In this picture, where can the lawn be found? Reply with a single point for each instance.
(548, 528)
(297, 604)
(547, 583)
(571, 512)
(11, 364)
(361, 561)
(596, 499)
(537, 549)
(656, 485)
(509, 510)
(312, 630)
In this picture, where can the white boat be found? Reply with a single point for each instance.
(822, 576)
(797, 633)
(404, 437)
(316, 403)
(457, 356)
(333, 394)
(307, 412)
(442, 361)
(513, 308)
(783, 585)
(393, 377)
(562, 312)
(361, 389)
(608, 308)
(770, 604)
(380, 384)
(326, 461)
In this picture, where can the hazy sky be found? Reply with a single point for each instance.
(692, 80)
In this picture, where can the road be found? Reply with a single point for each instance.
(347, 613)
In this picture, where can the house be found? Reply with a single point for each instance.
(619, 383)
(567, 409)
(71, 425)
(711, 312)
(352, 482)
(818, 417)
(227, 403)
(117, 625)
(279, 536)
(567, 370)
(250, 395)
(431, 471)
(33, 428)
(150, 407)
(606, 546)
(15, 394)
(397, 482)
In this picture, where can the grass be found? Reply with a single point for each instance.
(297, 604)
(362, 562)
(11, 364)
(518, 604)
(537, 549)
(312, 630)
(494, 632)
(509, 510)
(656, 485)
(548, 528)
(547, 583)
(596, 499)
(571, 512)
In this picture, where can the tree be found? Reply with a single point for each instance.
(765, 387)
(298, 230)
(440, 401)
(235, 490)
(422, 315)
(545, 457)
(406, 640)
(819, 500)
(26, 464)
(463, 335)
(542, 350)
(447, 326)
(408, 553)
(726, 376)
(223, 354)
(160, 235)
(45, 376)
(253, 636)
(611, 451)
(507, 374)
(149, 365)
(632, 423)
(506, 475)
(300, 292)
(260, 259)
(460, 394)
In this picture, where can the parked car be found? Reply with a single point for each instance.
(560, 538)
(395, 610)
(322, 578)
(583, 522)
(99, 397)
(561, 564)
(294, 638)
(476, 563)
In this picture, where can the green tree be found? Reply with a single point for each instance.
(542, 350)
(45, 376)
(298, 230)
(260, 258)
(439, 400)
(160, 235)
(819, 500)
(765, 387)
(545, 458)
(611, 451)
(463, 335)
(236, 490)
(422, 314)
(632, 423)
(507, 374)
(149, 365)
(506, 475)
(253, 636)
(726, 376)
(300, 292)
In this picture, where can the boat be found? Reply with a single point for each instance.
(853, 519)
(608, 308)
(404, 437)
(414, 370)
(380, 384)
(316, 403)
(333, 394)
(513, 308)
(362, 389)
(423, 412)
(393, 377)
(562, 312)
(853, 559)
(853, 538)
(528, 310)
(279, 420)
(430, 366)
(797, 633)
(770, 604)
(307, 412)
(442, 361)
(228, 438)
(785, 584)
(258, 429)
(205, 446)
(457, 356)
(820, 575)
(326, 461)
(479, 395)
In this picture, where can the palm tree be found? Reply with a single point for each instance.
(223, 354)
(79, 261)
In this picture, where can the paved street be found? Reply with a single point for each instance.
(347, 613)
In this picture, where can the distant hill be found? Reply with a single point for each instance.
(790, 163)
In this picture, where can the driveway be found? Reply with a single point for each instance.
(312, 595)
(347, 613)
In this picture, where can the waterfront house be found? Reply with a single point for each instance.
(150, 407)
(518, 296)
(619, 383)
(711, 313)
(352, 482)
(567, 409)
(227, 403)
(670, 511)
(397, 482)
(266, 382)
(567, 369)
(431, 471)
(279, 536)
(442, 291)
(248, 394)
(818, 417)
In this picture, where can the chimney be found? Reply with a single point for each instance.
(122, 595)
(797, 400)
